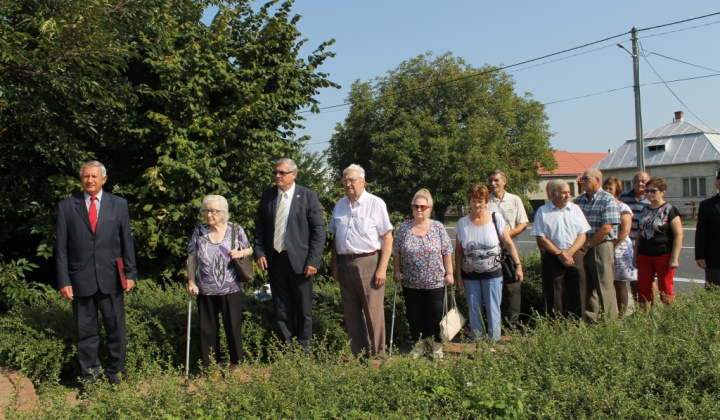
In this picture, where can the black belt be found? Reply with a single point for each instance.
(283, 253)
(366, 254)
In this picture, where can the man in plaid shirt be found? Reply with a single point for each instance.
(601, 212)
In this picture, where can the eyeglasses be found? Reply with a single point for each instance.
(350, 180)
(281, 173)
(421, 207)
(212, 212)
(652, 191)
(586, 178)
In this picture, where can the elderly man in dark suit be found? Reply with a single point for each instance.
(93, 232)
(289, 240)
(707, 237)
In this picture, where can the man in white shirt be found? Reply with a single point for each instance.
(560, 230)
(511, 208)
(360, 254)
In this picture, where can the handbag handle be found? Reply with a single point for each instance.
(502, 247)
(445, 304)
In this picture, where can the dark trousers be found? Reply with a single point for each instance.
(562, 285)
(292, 295)
(424, 312)
(112, 308)
(210, 307)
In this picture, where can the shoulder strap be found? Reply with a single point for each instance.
(232, 243)
(497, 231)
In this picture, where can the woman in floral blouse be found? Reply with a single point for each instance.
(423, 263)
(218, 289)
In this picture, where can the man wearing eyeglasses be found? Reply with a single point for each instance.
(601, 212)
(289, 241)
(360, 254)
(511, 208)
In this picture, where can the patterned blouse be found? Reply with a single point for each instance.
(421, 257)
(216, 273)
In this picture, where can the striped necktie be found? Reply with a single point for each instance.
(280, 217)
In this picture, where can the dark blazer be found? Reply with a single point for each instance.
(305, 233)
(707, 235)
(86, 261)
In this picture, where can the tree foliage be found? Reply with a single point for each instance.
(174, 108)
(439, 123)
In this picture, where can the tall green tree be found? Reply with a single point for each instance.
(176, 109)
(441, 124)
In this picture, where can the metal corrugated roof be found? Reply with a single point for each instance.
(683, 142)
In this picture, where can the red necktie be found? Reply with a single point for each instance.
(93, 214)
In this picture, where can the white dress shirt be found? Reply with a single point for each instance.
(358, 229)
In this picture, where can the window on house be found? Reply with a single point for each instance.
(656, 148)
(627, 185)
(694, 187)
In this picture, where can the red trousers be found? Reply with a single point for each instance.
(648, 267)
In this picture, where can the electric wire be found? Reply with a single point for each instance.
(673, 92)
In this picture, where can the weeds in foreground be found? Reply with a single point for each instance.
(664, 365)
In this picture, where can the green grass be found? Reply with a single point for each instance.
(663, 365)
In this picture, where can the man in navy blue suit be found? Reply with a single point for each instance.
(289, 240)
(93, 231)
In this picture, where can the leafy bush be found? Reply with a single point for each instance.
(665, 365)
(14, 288)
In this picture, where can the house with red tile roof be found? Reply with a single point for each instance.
(570, 166)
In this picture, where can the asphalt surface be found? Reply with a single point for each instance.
(688, 277)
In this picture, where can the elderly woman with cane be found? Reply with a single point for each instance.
(423, 264)
(218, 289)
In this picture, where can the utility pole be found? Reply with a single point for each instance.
(639, 141)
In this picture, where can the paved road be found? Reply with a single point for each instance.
(687, 277)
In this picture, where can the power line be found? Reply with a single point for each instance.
(346, 104)
(600, 93)
(673, 93)
(680, 61)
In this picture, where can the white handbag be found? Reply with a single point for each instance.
(453, 320)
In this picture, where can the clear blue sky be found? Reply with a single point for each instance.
(375, 36)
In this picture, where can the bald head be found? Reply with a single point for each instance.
(640, 181)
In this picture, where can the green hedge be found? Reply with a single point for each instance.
(664, 365)
(40, 338)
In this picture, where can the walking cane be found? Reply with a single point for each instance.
(187, 348)
(392, 324)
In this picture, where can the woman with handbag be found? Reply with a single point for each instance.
(477, 257)
(423, 264)
(210, 261)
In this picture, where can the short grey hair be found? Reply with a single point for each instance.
(497, 172)
(355, 168)
(555, 186)
(90, 164)
(595, 173)
(292, 166)
(221, 201)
